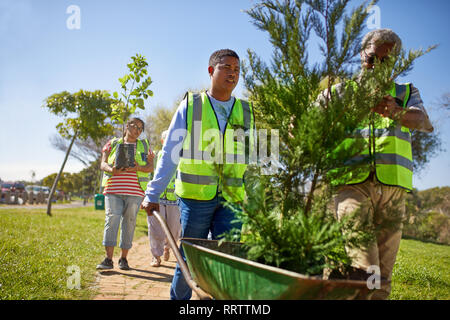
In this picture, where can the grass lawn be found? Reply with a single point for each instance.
(421, 272)
(36, 251)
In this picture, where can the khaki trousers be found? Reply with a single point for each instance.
(382, 207)
(156, 235)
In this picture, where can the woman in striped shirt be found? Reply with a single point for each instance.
(124, 191)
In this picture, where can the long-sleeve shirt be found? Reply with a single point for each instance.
(177, 131)
(415, 103)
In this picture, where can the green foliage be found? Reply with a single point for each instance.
(35, 252)
(288, 215)
(66, 181)
(421, 272)
(134, 90)
(291, 239)
(85, 113)
(85, 182)
(34, 260)
(30, 270)
(85, 116)
(428, 215)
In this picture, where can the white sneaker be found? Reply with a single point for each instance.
(156, 262)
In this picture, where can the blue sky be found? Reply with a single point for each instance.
(40, 56)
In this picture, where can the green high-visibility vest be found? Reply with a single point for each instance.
(389, 154)
(142, 147)
(169, 193)
(211, 161)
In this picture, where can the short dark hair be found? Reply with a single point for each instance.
(136, 119)
(219, 54)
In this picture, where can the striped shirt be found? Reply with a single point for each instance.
(125, 183)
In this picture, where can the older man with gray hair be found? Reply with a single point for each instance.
(377, 192)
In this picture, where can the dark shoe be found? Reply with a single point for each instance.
(123, 264)
(105, 265)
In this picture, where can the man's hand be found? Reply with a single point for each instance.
(388, 108)
(149, 207)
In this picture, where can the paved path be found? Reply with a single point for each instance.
(142, 282)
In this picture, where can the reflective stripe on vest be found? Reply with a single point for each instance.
(392, 157)
(211, 160)
(141, 149)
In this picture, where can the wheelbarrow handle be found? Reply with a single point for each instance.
(183, 266)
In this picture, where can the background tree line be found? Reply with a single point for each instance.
(428, 215)
(83, 184)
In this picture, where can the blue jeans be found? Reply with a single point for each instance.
(197, 219)
(120, 208)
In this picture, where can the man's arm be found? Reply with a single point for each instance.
(413, 117)
(167, 165)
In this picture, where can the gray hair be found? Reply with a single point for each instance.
(381, 36)
(164, 134)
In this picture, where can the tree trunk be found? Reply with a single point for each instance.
(55, 183)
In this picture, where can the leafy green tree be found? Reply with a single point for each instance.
(90, 178)
(134, 92)
(288, 218)
(428, 215)
(65, 181)
(85, 116)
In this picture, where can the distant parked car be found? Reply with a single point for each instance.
(12, 186)
(46, 191)
(7, 186)
(18, 187)
(34, 190)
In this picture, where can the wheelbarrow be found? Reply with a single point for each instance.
(219, 270)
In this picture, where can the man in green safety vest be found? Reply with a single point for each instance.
(159, 245)
(210, 139)
(383, 169)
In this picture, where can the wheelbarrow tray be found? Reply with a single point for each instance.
(224, 273)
